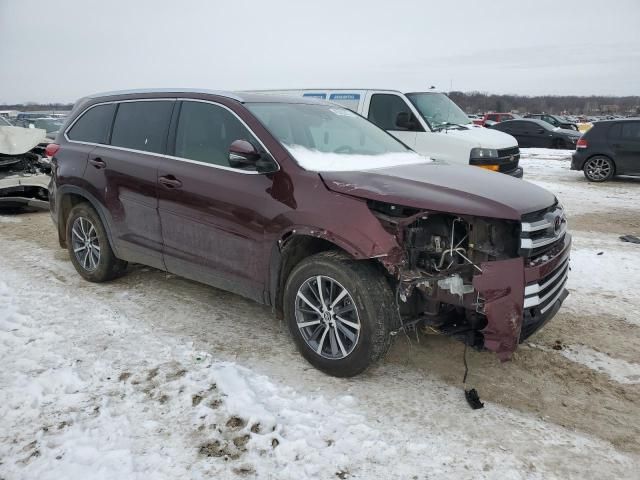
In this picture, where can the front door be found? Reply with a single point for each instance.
(213, 216)
(385, 109)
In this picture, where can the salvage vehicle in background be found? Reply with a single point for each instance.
(610, 147)
(24, 169)
(50, 125)
(429, 123)
(555, 120)
(307, 207)
(536, 133)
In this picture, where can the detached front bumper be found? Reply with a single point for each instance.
(520, 296)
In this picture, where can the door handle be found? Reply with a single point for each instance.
(97, 162)
(169, 181)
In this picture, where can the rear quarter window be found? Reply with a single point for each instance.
(93, 125)
(142, 125)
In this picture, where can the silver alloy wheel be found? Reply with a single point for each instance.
(598, 168)
(85, 243)
(327, 317)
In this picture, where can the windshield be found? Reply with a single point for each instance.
(331, 138)
(438, 110)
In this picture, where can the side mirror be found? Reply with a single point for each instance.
(403, 120)
(243, 155)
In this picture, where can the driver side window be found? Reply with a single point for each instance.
(205, 132)
(384, 111)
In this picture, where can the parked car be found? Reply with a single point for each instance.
(24, 118)
(49, 125)
(492, 118)
(429, 123)
(536, 133)
(555, 120)
(307, 207)
(610, 147)
(24, 170)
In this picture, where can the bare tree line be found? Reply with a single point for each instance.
(480, 102)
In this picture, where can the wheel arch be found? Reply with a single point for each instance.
(293, 247)
(607, 156)
(67, 197)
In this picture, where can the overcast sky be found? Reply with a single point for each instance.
(63, 50)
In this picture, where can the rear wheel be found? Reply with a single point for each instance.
(340, 313)
(89, 247)
(599, 169)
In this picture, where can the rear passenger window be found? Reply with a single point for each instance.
(384, 110)
(142, 125)
(206, 131)
(631, 130)
(93, 125)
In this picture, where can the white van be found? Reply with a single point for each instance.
(429, 123)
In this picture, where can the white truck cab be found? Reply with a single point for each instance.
(428, 122)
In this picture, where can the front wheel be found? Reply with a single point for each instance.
(340, 313)
(598, 169)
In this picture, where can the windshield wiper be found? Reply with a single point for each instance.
(448, 125)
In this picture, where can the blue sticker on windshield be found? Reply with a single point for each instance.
(344, 96)
(315, 95)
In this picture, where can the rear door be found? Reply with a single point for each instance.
(213, 216)
(385, 109)
(125, 172)
(624, 138)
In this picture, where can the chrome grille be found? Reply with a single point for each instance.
(545, 293)
(542, 232)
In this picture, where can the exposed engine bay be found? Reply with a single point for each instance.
(24, 175)
(457, 275)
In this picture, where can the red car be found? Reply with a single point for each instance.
(495, 117)
(309, 208)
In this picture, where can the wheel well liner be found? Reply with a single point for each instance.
(69, 196)
(286, 254)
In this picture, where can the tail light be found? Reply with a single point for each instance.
(582, 143)
(51, 150)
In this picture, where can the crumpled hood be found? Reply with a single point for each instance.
(462, 190)
(18, 140)
(482, 137)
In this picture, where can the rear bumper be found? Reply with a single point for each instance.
(577, 160)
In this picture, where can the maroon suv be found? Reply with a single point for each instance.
(309, 208)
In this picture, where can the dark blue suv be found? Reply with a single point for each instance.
(609, 148)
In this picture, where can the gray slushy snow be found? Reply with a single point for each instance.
(92, 389)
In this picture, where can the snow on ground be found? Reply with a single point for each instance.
(94, 386)
(5, 219)
(89, 392)
(551, 169)
(604, 268)
(545, 154)
(619, 370)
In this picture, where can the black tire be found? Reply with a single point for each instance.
(599, 168)
(95, 268)
(374, 308)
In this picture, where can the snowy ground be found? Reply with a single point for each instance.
(153, 376)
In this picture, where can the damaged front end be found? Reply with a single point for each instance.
(489, 282)
(24, 168)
